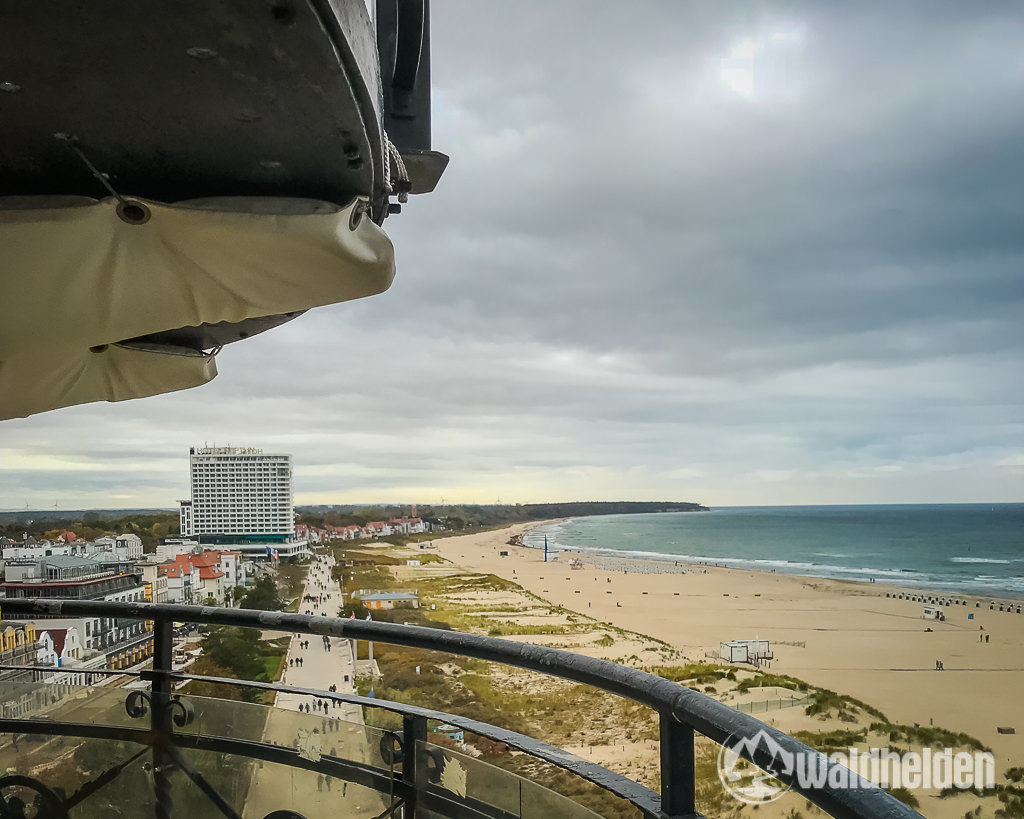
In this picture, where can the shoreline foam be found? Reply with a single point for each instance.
(901, 579)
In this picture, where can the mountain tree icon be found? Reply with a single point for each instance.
(750, 783)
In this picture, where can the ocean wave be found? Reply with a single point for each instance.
(939, 572)
(759, 564)
(978, 560)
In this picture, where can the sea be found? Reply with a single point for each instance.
(972, 548)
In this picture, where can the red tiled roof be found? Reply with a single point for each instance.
(199, 561)
(58, 635)
(207, 573)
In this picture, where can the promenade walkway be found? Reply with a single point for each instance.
(335, 732)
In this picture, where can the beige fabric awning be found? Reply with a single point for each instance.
(36, 383)
(77, 276)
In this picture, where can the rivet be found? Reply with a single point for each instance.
(10, 87)
(358, 209)
(201, 53)
(134, 213)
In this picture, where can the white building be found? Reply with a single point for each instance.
(745, 651)
(239, 491)
(33, 549)
(171, 547)
(408, 526)
(233, 566)
(63, 648)
(390, 600)
(154, 582)
(59, 646)
(183, 583)
(78, 578)
(124, 547)
(130, 545)
(242, 498)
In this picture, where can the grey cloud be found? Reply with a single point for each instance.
(632, 282)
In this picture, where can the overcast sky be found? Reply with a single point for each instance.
(731, 253)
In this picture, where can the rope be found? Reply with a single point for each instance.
(401, 172)
(71, 141)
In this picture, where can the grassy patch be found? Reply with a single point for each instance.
(930, 736)
(274, 666)
(772, 681)
(846, 707)
(830, 741)
(905, 796)
(508, 628)
(695, 673)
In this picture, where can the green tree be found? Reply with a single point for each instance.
(262, 596)
(236, 649)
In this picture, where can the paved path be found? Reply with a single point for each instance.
(338, 731)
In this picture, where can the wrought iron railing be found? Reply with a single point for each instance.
(404, 766)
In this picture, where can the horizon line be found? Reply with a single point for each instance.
(169, 509)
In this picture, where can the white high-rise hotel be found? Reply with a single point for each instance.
(241, 498)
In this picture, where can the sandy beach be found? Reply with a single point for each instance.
(846, 636)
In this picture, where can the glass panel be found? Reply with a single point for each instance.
(354, 780)
(62, 767)
(99, 705)
(464, 779)
(114, 776)
(256, 788)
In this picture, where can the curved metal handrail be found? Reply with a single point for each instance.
(679, 707)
